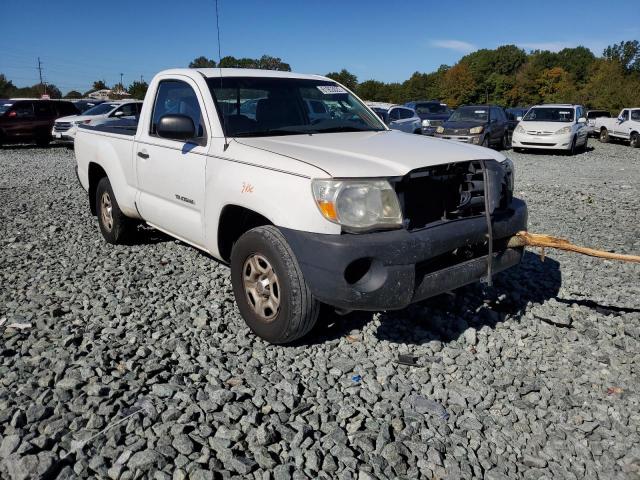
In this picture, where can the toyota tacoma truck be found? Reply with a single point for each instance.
(625, 127)
(306, 210)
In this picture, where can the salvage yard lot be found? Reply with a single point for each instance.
(539, 375)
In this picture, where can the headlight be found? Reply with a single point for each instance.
(519, 129)
(563, 131)
(440, 130)
(426, 123)
(511, 173)
(357, 205)
(476, 130)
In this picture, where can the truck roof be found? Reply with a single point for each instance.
(243, 72)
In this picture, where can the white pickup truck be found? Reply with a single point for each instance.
(625, 127)
(306, 209)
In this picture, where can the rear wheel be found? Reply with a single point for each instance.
(504, 142)
(634, 140)
(114, 225)
(270, 290)
(604, 135)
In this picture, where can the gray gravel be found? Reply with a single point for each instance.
(132, 361)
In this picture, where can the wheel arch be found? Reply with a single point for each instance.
(96, 173)
(236, 220)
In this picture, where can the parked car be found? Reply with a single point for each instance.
(65, 128)
(625, 127)
(30, 120)
(514, 115)
(484, 125)
(304, 213)
(552, 127)
(432, 113)
(397, 117)
(591, 120)
(84, 105)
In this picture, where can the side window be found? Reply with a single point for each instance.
(624, 115)
(405, 113)
(635, 115)
(23, 110)
(394, 114)
(43, 110)
(128, 110)
(176, 97)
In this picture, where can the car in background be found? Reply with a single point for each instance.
(65, 128)
(84, 105)
(484, 125)
(397, 117)
(591, 120)
(514, 115)
(432, 114)
(625, 127)
(552, 127)
(30, 120)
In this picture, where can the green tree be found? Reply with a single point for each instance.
(99, 85)
(344, 77)
(458, 85)
(626, 53)
(73, 94)
(138, 90)
(267, 62)
(576, 61)
(374, 91)
(202, 62)
(6, 87)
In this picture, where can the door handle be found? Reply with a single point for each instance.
(143, 155)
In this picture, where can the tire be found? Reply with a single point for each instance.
(418, 132)
(585, 145)
(43, 141)
(573, 149)
(114, 225)
(604, 136)
(504, 142)
(277, 315)
(634, 140)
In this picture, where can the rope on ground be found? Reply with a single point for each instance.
(526, 239)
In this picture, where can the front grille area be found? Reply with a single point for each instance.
(435, 123)
(62, 126)
(542, 133)
(449, 192)
(456, 131)
(539, 144)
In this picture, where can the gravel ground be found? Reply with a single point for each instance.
(132, 361)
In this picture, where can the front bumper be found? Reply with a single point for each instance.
(390, 270)
(545, 142)
(431, 131)
(65, 135)
(473, 139)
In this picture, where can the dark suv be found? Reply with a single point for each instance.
(484, 125)
(431, 112)
(23, 121)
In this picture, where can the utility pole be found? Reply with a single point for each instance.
(141, 79)
(40, 71)
(121, 84)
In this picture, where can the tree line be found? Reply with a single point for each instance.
(507, 76)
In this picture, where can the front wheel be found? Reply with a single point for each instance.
(269, 287)
(634, 140)
(573, 148)
(604, 136)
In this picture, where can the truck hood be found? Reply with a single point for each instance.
(370, 154)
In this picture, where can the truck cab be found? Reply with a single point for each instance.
(306, 207)
(625, 127)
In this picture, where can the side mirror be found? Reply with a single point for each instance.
(519, 118)
(176, 127)
(621, 119)
(582, 120)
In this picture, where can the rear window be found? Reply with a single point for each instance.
(5, 106)
(43, 109)
(598, 114)
(430, 108)
(66, 108)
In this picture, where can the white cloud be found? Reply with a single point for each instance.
(457, 45)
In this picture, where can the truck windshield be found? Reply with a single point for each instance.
(549, 114)
(263, 106)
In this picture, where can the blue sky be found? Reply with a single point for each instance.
(79, 42)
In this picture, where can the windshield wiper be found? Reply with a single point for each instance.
(346, 129)
(269, 133)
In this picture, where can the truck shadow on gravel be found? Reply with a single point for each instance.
(445, 318)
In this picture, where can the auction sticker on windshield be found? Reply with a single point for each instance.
(331, 89)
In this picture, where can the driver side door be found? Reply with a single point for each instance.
(621, 124)
(171, 173)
